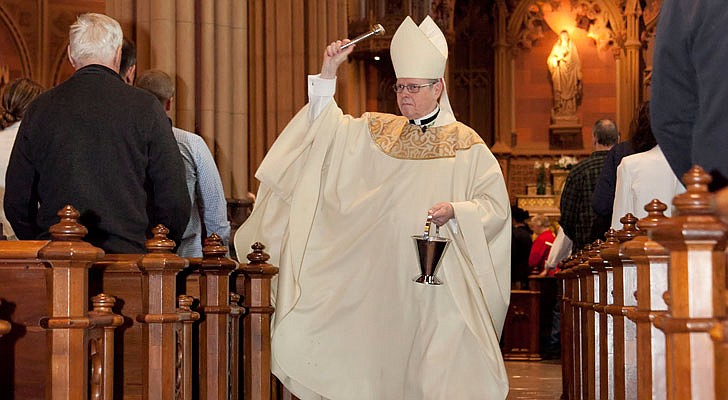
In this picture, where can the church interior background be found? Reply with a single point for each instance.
(241, 66)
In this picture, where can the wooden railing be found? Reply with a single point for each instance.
(160, 327)
(656, 326)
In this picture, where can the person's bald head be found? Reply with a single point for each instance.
(158, 83)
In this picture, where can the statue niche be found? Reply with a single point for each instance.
(565, 71)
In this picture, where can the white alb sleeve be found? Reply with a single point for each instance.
(320, 93)
(560, 250)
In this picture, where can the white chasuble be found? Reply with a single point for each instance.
(338, 203)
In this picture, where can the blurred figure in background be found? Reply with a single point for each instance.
(209, 207)
(520, 248)
(127, 66)
(16, 97)
(643, 176)
(541, 247)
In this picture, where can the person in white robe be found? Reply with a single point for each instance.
(642, 177)
(339, 201)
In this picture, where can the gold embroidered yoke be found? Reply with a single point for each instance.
(397, 138)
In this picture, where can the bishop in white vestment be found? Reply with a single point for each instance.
(339, 201)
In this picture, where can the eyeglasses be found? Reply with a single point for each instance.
(412, 88)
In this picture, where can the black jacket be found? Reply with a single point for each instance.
(107, 149)
(689, 86)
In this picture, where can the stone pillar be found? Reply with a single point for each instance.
(628, 69)
(185, 90)
(223, 72)
(163, 38)
(239, 185)
(206, 78)
(504, 125)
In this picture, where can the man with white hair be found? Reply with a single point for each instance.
(339, 201)
(100, 145)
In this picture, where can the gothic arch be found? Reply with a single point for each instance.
(57, 62)
(522, 20)
(20, 44)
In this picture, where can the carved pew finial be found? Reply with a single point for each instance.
(655, 213)
(103, 303)
(68, 229)
(159, 243)
(213, 247)
(258, 256)
(629, 228)
(696, 199)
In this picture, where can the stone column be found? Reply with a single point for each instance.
(185, 60)
(162, 37)
(628, 69)
(503, 104)
(240, 100)
(223, 92)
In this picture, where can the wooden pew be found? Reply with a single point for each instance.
(166, 329)
(575, 373)
(598, 266)
(567, 278)
(256, 285)
(606, 298)
(137, 343)
(719, 332)
(218, 366)
(651, 260)
(45, 299)
(587, 277)
(696, 295)
(163, 279)
(5, 326)
(624, 333)
(520, 340)
(579, 322)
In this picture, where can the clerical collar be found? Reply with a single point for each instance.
(428, 119)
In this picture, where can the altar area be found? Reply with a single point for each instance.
(544, 198)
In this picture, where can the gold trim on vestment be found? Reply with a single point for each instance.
(397, 138)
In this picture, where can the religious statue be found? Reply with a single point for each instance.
(565, 69)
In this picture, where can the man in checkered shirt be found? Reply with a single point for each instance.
(576, 211)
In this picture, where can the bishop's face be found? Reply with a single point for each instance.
(417, 105)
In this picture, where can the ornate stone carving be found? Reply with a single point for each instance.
(591, 17)
(531, 28)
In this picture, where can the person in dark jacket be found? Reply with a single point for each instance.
(640, 139)
(689, 89)
(520, 248)
(100, 145)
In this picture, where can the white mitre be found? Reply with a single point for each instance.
(421, 52)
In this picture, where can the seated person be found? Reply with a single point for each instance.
(520, 248)
(542, 244)
(16, 97)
